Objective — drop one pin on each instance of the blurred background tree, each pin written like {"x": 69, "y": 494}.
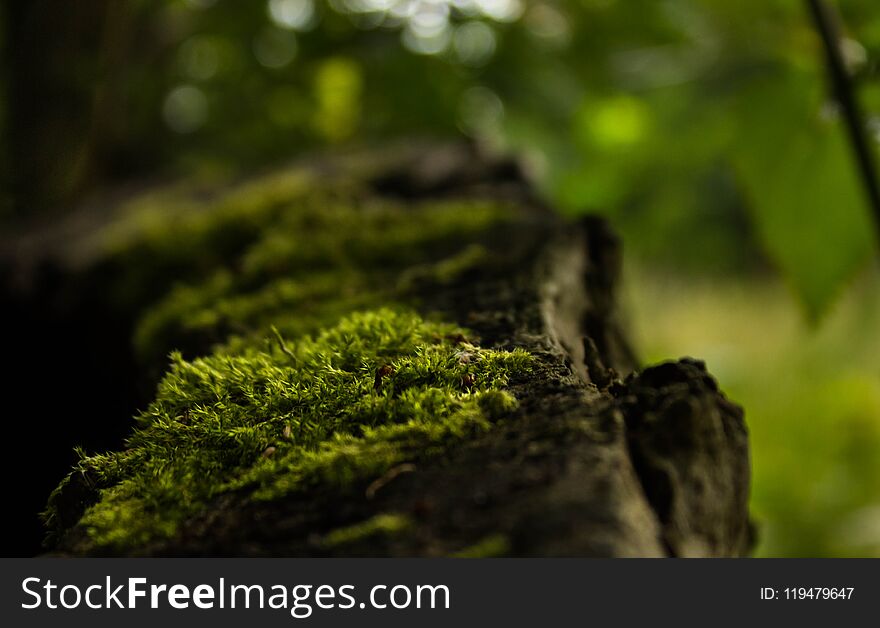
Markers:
{"x": 704, "y": 129}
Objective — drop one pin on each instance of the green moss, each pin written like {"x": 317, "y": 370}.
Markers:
{"x": 492, "y": 546}
{"x": 379, "y": 388}
{"x": 319, "y": 257}
{"x": 316, "y": 372}
{"x": 497, "y": 403}
{"x": 445, "y": 271}
{"x": 381, "y": 524}
{"x": 174, "y": 223}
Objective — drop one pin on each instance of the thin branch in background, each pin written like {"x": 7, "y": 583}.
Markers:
{"x": 828, "y": 26}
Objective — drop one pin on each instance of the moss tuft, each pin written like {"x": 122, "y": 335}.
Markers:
{"x": 497, "y": 403}
{"x": 492, "y": 546}
{"x": 381, "y": 524}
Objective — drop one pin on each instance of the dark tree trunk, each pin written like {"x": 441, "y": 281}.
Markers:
{"x": 64, "y": 98}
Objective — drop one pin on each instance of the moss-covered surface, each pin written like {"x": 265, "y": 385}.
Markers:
{"x": 304, "y": 365}
{"x": 378, "y": 388}
{"x": 390, "y": 367}
{"x": 301, "y": 263}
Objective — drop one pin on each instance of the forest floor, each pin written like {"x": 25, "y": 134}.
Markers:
{"x": 811, "y": 395}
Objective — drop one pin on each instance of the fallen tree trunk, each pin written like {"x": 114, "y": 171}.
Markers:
{"x": 598, "y": 458}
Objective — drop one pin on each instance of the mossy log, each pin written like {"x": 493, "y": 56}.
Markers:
{"x": 402, "y": 354}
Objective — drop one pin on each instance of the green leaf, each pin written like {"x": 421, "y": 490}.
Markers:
{"x": 805, "y": 197}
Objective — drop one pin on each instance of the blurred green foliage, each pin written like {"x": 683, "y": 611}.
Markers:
{"x": 700, "y": 122}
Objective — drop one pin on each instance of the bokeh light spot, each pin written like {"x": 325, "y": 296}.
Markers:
{"x": 480, "y": 112}
{"x": 292, "y": 14}
{"x": 549, "y": 25}
{"x": 275, "y": 48}
{"x": 617, "y": 122}
{"x": 199, "y": 58}
{"x": 185, "y": 109}
{"x": 474, "y": 43}
{"x": 424, "y": 42}
{"x": 338, "y": 88}
{"x": 501, "y": 10}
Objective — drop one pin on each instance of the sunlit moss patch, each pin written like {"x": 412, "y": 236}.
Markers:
{"x": 281, "y": 415}
{"x": 298, "y": 361}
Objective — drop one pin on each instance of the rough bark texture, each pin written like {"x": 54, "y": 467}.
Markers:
{"x": 600, "y": 459}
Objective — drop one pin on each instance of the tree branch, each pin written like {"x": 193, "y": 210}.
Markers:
{"x": 828, "y": 26}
